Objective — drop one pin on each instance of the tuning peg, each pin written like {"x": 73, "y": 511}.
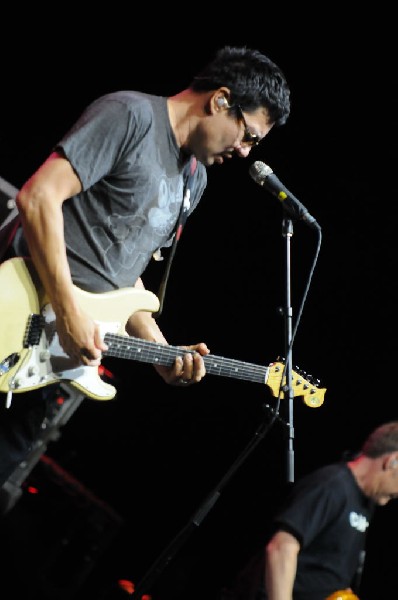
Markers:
{"x": 314, "y": 380}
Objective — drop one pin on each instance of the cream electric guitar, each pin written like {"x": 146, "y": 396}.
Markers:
{"x": 32, "y": 357}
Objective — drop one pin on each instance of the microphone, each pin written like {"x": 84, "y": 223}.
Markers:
{"x": 264, "y": 176}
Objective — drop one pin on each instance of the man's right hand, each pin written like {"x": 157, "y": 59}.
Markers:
{"x": 80, "y": 338}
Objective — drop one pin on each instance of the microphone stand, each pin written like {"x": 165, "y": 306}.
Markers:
{"x": 201, "y": 513}
{"x": 197, "y": 518}
{"x": 287, "y": 233}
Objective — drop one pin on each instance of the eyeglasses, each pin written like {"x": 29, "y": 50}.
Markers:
{"x": 249, "y": 138}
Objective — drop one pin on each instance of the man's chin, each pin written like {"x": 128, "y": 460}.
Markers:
{"x": 217, "y": 159}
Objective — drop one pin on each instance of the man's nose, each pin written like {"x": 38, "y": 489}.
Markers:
{"x": 243, "y": 151}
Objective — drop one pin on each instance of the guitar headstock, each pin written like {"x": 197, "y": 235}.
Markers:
{"x": 312, "y": 395}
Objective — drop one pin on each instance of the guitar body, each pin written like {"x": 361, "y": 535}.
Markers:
{"x": 32, "y": 357}
{"x": 19, "y": 299}
{"x": 43, "y": 361}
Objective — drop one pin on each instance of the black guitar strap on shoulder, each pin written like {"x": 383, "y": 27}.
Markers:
{"x": 184, "y": 211}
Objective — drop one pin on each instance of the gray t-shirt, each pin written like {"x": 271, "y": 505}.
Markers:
{"x": 125, "y": 154}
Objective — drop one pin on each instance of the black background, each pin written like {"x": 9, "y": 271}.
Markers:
{"x": 155, "y": 453}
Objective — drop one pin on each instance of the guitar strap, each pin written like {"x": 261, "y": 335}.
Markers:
{"x": 184, "y": 211}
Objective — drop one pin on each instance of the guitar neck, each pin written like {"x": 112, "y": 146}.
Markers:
{"x": 132, "y": 348}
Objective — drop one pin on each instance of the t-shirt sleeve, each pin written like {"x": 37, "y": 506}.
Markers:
{"x": 310, "y": 506}
{"x": 100, "y": 139}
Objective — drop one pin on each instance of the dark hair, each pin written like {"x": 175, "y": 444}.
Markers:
{"x": 382, "y": 440}
{"x": 252, "y": 77}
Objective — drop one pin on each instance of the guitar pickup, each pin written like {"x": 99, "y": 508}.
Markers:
{"x": 34, "y": 330}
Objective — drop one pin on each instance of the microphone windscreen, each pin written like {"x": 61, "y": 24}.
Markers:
{"x": 259, "y": 171}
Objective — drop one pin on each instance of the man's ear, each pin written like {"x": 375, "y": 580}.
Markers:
{"x": 218, "y": 101}
{"x": 222, "y": 102}
{"x": 391, "y": 462}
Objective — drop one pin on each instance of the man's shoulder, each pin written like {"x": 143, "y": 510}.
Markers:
{"x": 326, "y": 474}
{"x": 129, "y": 98}
{"x": 124, "y": 108}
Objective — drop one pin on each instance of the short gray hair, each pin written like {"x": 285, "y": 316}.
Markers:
{"x": 382, "y": 440}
